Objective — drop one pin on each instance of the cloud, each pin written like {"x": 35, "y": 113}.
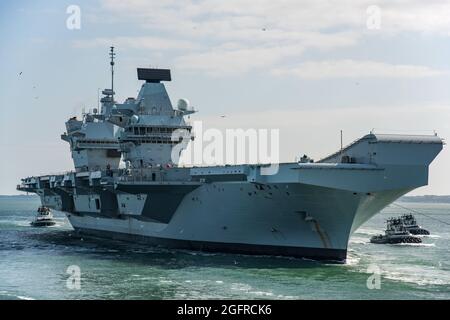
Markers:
{"x": 229, "y": 59}
{"x": 355, "y": 69}
{"x": 416, "y": 16}
{"x": 235, "y": 36}
{"x": 263, "y": 49}
{"x": 288, "y": 15}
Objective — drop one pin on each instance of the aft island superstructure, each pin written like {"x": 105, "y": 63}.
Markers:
{"x": 306, "y": 209}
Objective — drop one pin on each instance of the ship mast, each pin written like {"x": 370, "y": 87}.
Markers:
{"x": 112, "y": 55}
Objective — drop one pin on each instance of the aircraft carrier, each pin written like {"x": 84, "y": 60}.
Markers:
{"x": 125, "y": 184}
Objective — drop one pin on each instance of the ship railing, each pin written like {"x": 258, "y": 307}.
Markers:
{"x": 61, "y": 173}
{"x": 137, "y": 178}
{"x": 175, "y": 113}
{"x": 152, "y": 135}
{"x": 97, "y": 143}
{"x": 143, "y": 174}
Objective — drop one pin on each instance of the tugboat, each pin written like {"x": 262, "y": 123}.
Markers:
{"x": 44, "y": 218}
{"x": 395, "y": 232}
{"x": 411, "y": 225}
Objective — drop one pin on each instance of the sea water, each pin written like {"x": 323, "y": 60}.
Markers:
{"x": 38, "y": 263}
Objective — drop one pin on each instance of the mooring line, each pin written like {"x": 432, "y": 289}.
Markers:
{"x": 421, "y": 213}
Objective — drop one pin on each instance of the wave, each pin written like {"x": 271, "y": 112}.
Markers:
{"x": 357, "y": 240}
{"x": 419, "y": 277}
{"x": 261, "y": 293}
{"x": 26, "y": 223}
{"x": 415, "y": 244}
{"x": 366, "y": 231}
{"x": 25, "y": 298}
{"x": 352, "y": 260}
{"x": 249, "y": 290}
{"x": 9, "y": 295}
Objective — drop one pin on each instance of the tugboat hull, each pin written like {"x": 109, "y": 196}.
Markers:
{"x": 43, "y": 223}
{"x": 418, "y": 231}
{"x": 395, "y": 240}
{"x": 44, "y": 218}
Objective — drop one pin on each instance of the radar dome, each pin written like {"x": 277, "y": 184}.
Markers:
{"x": 183, "y": 104}
{"x": 134, "y": 119}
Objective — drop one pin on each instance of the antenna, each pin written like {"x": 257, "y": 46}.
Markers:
{"x": 112, "y": 55}
{"x": 341, "y": 142}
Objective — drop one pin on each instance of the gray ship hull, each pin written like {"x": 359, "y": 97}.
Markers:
{"x": 303, "y": 210}
{"x": 334, "y": 255}
{"x": 286, "y": 220}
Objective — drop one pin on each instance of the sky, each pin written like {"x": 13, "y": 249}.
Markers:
{"x": 308, "y": 68}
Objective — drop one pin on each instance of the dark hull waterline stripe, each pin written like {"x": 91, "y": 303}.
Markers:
{"x": 332, "y": 255}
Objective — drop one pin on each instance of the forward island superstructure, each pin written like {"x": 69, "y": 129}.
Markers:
{"x": 306, "y": 209}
